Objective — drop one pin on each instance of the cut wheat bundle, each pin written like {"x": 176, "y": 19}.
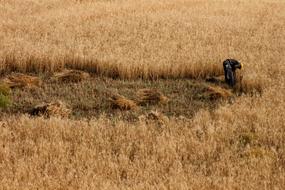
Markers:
{"x": 122, "y": 103}
{"x": 151, "y": 96}
{"x": 71, "y": 76}
{"x": 19, "y": 80}
{"x": 216, "y": 92}
{"x": 55, "y": 108}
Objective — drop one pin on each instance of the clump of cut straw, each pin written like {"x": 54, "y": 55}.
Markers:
{"x": 19, "y": 80}
{"x": 151, "y": 96}
{"x": 71, "y": 76}
{"x": 56, "y": 109}
{"x": 122, "y": 103}
{"x": 217, "y": 92}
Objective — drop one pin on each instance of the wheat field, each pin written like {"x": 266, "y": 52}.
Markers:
{"x": 237, "y": 145}
{"x": 143, "y": 38}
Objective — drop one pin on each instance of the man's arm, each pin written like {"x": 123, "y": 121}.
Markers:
{"x": 235, "y": 64}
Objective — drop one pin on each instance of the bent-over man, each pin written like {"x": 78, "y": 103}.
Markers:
{"x": 230, "y": 66}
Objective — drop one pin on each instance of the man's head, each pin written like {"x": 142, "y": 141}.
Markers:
{"x": 241, "y": 65}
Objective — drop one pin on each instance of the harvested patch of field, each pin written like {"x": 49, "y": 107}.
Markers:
{"x": 91, "y": 97}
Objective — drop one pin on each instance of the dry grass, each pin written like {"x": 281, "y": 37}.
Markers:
{"x": 122, "y": 103}
{"x": 238, "y": 145}
{"x": 19, "y": 80}
{"x": 151, "y": 96}
{"x": 71, "y": 76}
{"x": 226, "y": 148}
{"x": 55, "y": 109}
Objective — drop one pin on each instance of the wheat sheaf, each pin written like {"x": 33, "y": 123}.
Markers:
{"x": 71, "y": 76}
{"x": 19, "y": 80}
{"x": 216, "y": 92}
{"x": 55, "y": 108}
{"x": 122, "y": 103}
{"x": 151, "y": 96}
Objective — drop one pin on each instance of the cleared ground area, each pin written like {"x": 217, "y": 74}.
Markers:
{"x": 92, "y": 98}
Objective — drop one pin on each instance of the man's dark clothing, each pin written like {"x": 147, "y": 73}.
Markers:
{"x": 230, "y": 65}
